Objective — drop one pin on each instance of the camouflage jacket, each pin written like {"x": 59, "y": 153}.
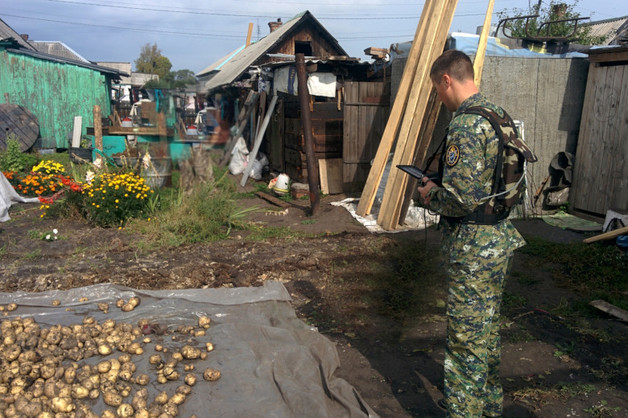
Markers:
{"x": 468, "y": 170}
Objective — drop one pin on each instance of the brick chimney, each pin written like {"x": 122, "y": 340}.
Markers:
{"x": 24, "y": 36}
{"x": 274, "y": 25}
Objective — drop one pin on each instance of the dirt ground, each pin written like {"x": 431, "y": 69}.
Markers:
{"x": 339, "y": 277}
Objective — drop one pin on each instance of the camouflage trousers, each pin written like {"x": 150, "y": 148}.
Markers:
{"x": 476, "y": 273}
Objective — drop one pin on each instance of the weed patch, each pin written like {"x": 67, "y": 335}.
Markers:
{"x": 596, "y": 270}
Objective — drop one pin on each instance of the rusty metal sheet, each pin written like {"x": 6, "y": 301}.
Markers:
{"x": 20, "y": 121}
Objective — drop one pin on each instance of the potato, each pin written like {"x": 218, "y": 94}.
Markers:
{"x": 70, "y": 375}
{"x": 62, "y": 404}
{"x": 177, "y": 398}
{"x": 170, "y": 373}
{"x": 190, "y": 379}
{"x": 209, "y": 347}
{"x": 156, "y": 360}
{"x": 107, "y": 413}
{"x": 120, "y": 303}
{"x": 171, "y": 409}
{"x": 176, "y": 356}
{"x": 211, "y": 374}
{"x": 83, "y": 299}
{"x": 125, "y": 375}
{"x": 142, "y": 379}
{"x": 135, "y": 348}
{"x": 127, "y": 307}
{"x": 79, "y": 391}
{"x": 134, "y": 301}
{"x": 112, "y": 398}
{"x": 190, "y": 352}
{"x": 104, "y": 350}
{"x": 56, "y": 302}
{"x": 199, "y": 332}
{"x": 125, "y": 410}
{"x": 162, "y": 398}
{"x": 104, "y": 366}
{"x": 188, "y": 367}
{"x": 11, "y": 307}
{"x": 159, "y": 347}
{"x": 140, "y": 399}
{"x": 142, "y": 413}
{"x": 104, "y": 307}
{"x": 204, "y": 321}
{"x": 184, "y": 389}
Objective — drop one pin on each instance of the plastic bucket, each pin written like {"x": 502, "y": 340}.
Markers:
{"x": 282, "y": 185}
{"x": 159, "y": 173}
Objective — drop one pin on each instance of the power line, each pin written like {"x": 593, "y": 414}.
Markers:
{"x": 231, "y": 14}
{"x": 135, "y": 29}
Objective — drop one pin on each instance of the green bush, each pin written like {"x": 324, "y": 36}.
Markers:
{"x": 13, "y": 159}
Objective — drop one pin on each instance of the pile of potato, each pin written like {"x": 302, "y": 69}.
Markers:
{"x": 44, "y": 371}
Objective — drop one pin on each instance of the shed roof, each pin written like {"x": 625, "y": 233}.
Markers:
{"x": 613, "y": 29}
{"x": 12, "y": 46}
{"x": 7, "y": 32}
{"x": 57, "y": 48}
{"x": 229, "y": 68}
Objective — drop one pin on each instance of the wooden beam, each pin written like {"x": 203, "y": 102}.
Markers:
{"x": 306, "y": 120}
{"x": 478, "y": 61}
{"x": 248, "y": 35}
{"x": 396, "y": 113}
{"x": 97, "y": 128}
{"x": 607, "y": 235}
{"x": 610, "y": 309}
{"x": 390, "y": 211}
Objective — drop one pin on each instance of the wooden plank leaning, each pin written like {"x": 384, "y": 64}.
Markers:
{"x": 243, "y": 119}
{"x": 392, "y": 126}
{"x": 478, "y": 61}
{"x": 392, "y": 202}
{"x": 258, "y": 141}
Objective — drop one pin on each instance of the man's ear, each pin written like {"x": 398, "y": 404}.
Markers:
{"x": 447, "y": 80}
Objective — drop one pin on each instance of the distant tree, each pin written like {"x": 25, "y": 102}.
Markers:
{"x": 555, "y": 10}
{"x": 151, "y": 61}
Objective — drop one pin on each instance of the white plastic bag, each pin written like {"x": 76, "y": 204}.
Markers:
{"x": 239, "y": 157}
{"x": 258, "y": 167}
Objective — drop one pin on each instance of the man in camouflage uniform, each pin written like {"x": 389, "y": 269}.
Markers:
{"x": 478, "y": 255}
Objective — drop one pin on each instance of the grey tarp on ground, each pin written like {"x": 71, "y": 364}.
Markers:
{"x": 272, "y": 363}
{"x": 8, "y": 196}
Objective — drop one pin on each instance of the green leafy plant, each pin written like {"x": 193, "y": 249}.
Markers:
{"x": 12, "y": 159}
{"x": 556, "y": 10}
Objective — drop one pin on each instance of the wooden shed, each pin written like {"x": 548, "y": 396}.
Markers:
{"x": 54, "y": 89}
{"x": 600, "y": 170}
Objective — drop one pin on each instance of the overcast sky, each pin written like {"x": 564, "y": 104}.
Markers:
{"x": 194, "y": 34}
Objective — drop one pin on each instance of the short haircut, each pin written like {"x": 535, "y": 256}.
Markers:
{"x": 453, "y": 62}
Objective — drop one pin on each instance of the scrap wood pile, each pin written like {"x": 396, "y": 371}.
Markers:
{"x": 78, "y": 369}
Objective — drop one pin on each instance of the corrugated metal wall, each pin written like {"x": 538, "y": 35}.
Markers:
{"x": 54, "y": 92}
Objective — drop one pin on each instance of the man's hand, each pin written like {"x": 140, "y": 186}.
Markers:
{"x": 424, "y": 187}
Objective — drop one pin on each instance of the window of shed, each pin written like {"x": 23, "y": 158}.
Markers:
{"x": 304, "y": 48}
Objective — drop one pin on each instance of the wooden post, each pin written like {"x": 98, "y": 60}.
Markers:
{"x": 248, "y": 35}
{"x": 478, "y": 61}
{"x": 97, "y": 128}
{"x": 306, "y": 119}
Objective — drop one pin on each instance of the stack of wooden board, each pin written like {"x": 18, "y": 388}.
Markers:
{"x": 407, "y": 114}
